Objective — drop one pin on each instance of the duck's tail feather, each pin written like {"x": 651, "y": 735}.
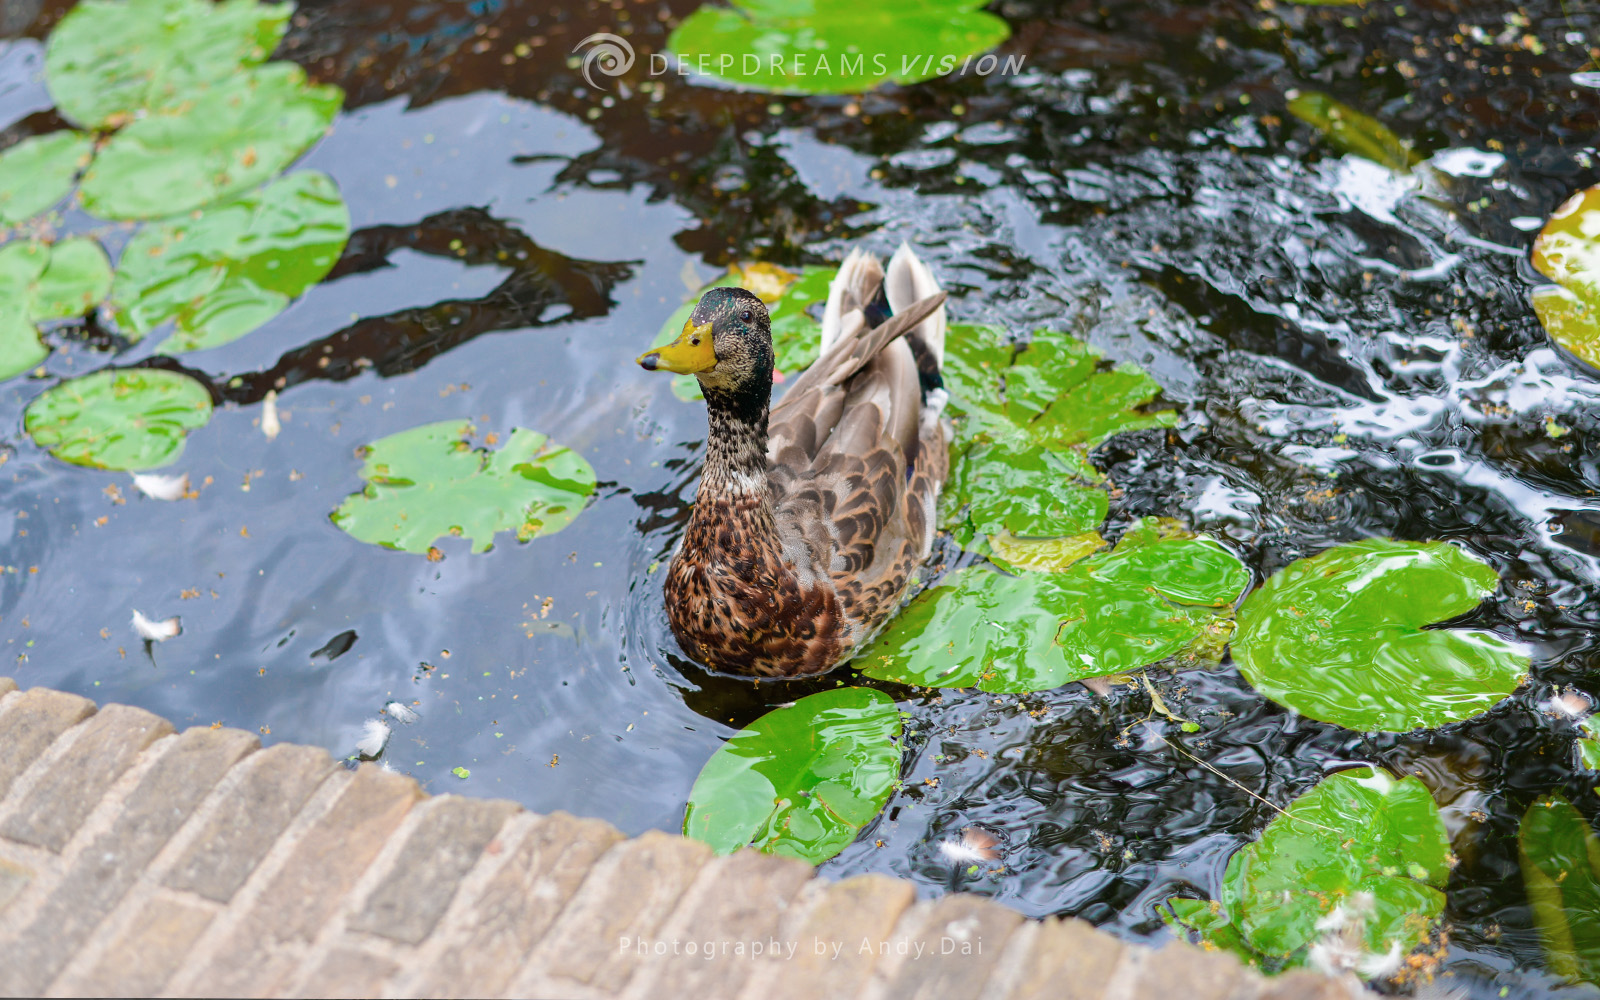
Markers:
{"x": 851, "y": 296}
{"x": 909, "y": 280}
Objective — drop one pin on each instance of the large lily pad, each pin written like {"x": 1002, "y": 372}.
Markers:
{"x": 110, "y": 59}
{"x": 1156, "y": 593}
{"x": 802, "y": 780}
{"x": 232, "y": 136}
{"x": 1561, "y": 871}
{"x": 1341, "y": 637}
{"x": 834, "y": 46}
{"x": 225, "y": 269}
{"x": 1567, "y": 251}
{"x": 788, "y": 295}
{"x": 38, "y": 172}
{"x": 1361, "y": 841}
{"x": 129, "y": 419}
{"x": 41, "y": 282}
{"x": 430, "y": 481}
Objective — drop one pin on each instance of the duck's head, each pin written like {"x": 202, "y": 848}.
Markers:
{"x": 726, "y": 344}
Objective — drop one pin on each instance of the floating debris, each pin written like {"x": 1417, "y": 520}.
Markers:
{"x": 1569, "y": 703}
{"x": 154, "y": 631}
{"x": 162, "y": 487}
{"x": 374, "y": 737}
{"x": 401, "y": 712}
{"x": 270, "y": 426}
{"x": 975, "y": 844}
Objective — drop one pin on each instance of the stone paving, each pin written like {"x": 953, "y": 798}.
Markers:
{"x": 136, "y": 860}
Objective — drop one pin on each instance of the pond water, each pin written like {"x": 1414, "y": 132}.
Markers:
{"x": 1351, "y": 353}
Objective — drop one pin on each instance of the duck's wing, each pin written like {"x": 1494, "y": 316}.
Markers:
{"x": 857, "y": 452}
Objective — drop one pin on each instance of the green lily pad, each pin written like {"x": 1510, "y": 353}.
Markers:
{"x": 41, "y": 282}
{"x": 38, "y": 172}
{"x": 1560, "y": 857}
{"x": 1589, "y": 744}
{"x": 802, "y": 780}
{"x": 796, "y": 337}
{"x": 834, "y": 46}
{"x": 1351, "y": 131}
{"x": 429, "y": 481}
{"x": 1361, "y": 841}
{"x": 1026, "y": 419}
{"x": 1340, "y": 637}
{"x": 20, "y": 347}
{"x": 232, "y": 136}
{"x": 225, "y": 269}
{"x": 1152, "y": 596}
{"x": 77, "y": 277}
{"x": 110, "y": 59}
{"x": 128, "y": 419}
{"x": 1567, "y": 251}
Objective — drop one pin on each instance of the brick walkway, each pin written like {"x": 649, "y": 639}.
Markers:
{"x": 136, "y": 861}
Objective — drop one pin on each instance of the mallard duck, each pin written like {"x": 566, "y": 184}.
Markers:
{"x": 812, "y": 516}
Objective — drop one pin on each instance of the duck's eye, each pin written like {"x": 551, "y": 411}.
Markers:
{"x": 745, "y": 315}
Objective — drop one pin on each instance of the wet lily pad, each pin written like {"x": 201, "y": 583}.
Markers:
{"x": 38, "y": 172}
{"x": 232, "y": 136}
{"x": 222, "y": 271}
{"x": 1152, "y": 596}
{"x": 128, "y": 419}
{"x": 788, "y": 295}
{"x": 429, "y": 482}
{"x": 802, "y": 780}
{"x": 1351, "y": 131}
{"x": 110, "y": 59}
{"x": 40, "y": 281}
{"x": 834, "y": 46}
{"x": 1341, "y": 637}
{"x": 1363, "y": 843}
{"x": 1567, "y": 251}
{"x": 1560, "y": 857}
{"x": 1025, "y": 422}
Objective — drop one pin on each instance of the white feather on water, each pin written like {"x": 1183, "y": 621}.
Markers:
{"x": 374, "y": 737}
{"x": 400, "y": 712}
{"x": 155, "y": 631}
{"x": 162, "y": 487}
{"x": 270, "y": 426}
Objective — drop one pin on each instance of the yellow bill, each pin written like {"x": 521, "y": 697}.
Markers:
{"x": 691, "y": 352}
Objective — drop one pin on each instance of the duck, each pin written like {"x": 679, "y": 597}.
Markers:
{"x": 813, "y": 516}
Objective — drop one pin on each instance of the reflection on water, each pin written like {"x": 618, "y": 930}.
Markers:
{"x": 1351, "y": 350}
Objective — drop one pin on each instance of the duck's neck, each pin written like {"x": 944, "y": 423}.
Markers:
{"x": 736, "y": 447}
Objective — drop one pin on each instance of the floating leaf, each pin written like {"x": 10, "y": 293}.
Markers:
{"x": 129, "y": 419}
{"x": 1589, "y": 745}
{"x": 1047, "y": 554}
{"x": 36, "y": 173}
{"x": 110, "y": 59}
{"x": 834, "y": 46}
{"x": 224, "y": 270}
{"x": 1561, "y": 869}
{"x": 1340, "y": 637}
{"x": 234, "y": 135}
{"x": 42, "y": 282}
{"x": 1026, "y": 420}
{"x": 1352, "y": 131}
{"x": 795, "y": 335}
{"x": 1567, "y": 251}
{"x": 1147, "y": 599}
{"x": 1361, "y": 841}
{"x": 802, "y": 780}
{"x": 429, "y": 481}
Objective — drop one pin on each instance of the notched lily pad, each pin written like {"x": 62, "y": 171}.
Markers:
{"x": 788, "y": 295}
{"x": 1567, "y": 251}
{"x": 1155, "y": 594}
{"x": 1362, "y": 854}
{"x": 429, "y": 481}
{"x": 834, "y": 46}
{"x": 1342, "y": 637}
{"x": 1560, "y": 857}
{"x": 40, "y": 282}
{"x": 232, "y": 136}
{"x": 225, "y": 269}
{"x": 38, "y": 172}
{"x": 802, "y": 780}
{"x": 110, "y": 59}
{"x": 128, "y": 419}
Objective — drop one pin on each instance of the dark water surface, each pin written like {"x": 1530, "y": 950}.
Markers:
{"x": 1351, "y": 354}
